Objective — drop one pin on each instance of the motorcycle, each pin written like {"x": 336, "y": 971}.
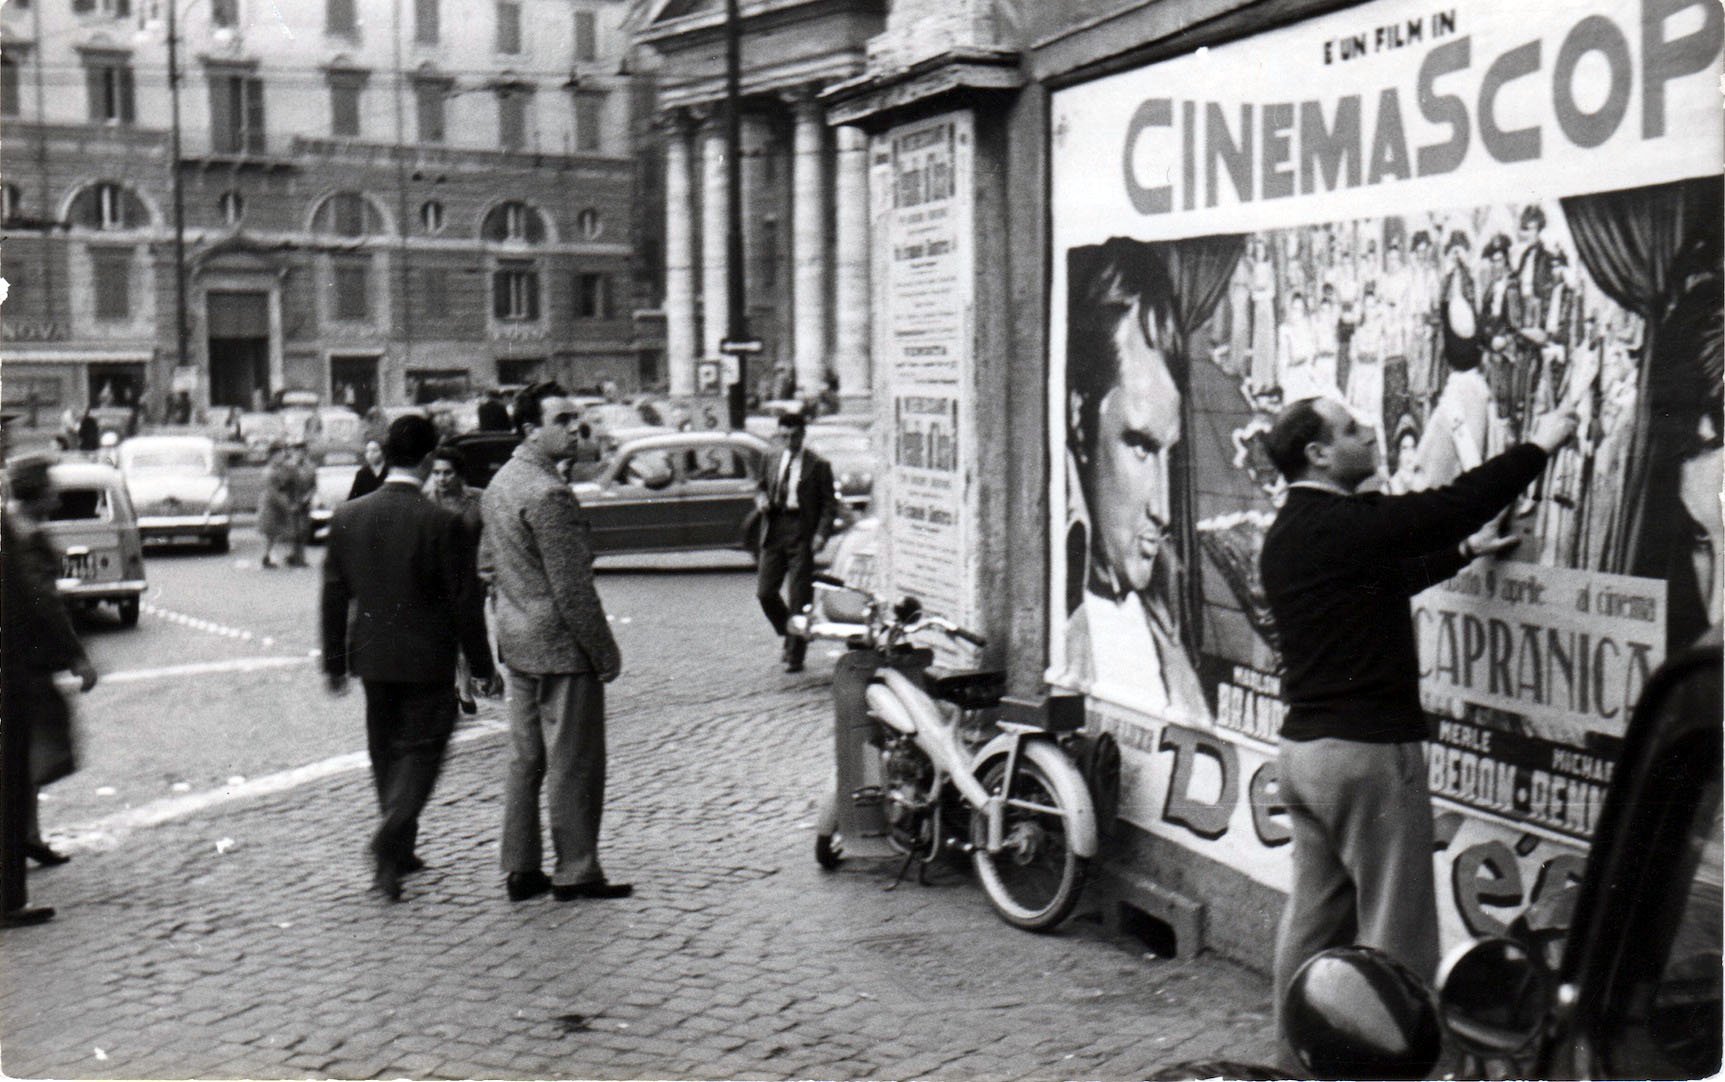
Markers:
{"x": 931, "y": 763}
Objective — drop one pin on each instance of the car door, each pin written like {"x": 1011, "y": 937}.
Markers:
{"x": 720, "y": 489}
{"x": 638, "y": 506}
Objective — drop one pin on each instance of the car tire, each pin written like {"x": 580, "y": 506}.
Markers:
{"x": 129, "y": 612}
{"x": 219, "y": 543}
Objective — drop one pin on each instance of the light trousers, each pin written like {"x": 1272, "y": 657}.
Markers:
{"x": 557, "y": 740}
{"x": 1362, "y": 860}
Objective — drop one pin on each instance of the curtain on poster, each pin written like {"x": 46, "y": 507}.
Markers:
{"x": 1451, "y": 222}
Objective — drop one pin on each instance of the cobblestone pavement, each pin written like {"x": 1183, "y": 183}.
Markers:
{"x": 239, "y": 942}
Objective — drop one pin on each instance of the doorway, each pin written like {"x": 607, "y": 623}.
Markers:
{"x": 239, "y": 349}
{"x": 353, "y": 382}
{"x": 116, "y": 385}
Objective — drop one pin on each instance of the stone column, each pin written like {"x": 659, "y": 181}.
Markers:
{"x": 680, "y": 331}
{"x": 715, "y": 285}
{"x": 809, "y": 246}
{"x": 851, "y": 261}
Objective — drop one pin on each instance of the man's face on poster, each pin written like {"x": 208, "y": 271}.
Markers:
{"x": 1137, "y": 426}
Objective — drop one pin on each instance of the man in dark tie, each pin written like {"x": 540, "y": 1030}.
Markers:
{"x": 407, "y": 563}
{"x": 798, "y": 507}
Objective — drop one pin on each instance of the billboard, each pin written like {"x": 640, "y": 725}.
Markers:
{"x": 924, "y": 217}
{"x": 1450, "y": 220}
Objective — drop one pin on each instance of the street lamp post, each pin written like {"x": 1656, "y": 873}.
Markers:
{"x": 180, "y": 328}
{"x": 737, "y": 319}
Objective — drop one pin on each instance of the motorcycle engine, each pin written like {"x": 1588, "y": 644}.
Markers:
{"x": 909, "y": 777}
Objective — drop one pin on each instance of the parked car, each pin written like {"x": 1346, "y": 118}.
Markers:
{"x": 611, "y": 420}
{"x": 94, "y": 530}
{"x": 334, "y": 482}
{"x": 261, "y": 431}
{"x": 1636, "y": 992}
{"x": 179, "y": 488}
{"x": 674, "y": 491}
{"x": 339, "y": 431}
{"x": 851, "y": 453}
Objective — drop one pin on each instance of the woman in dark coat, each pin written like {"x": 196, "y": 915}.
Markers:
{"x": 370, "y": 476}
{"x": 284, "y": 515}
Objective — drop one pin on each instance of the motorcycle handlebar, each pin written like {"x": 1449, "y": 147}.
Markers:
{"x": 935, "y": 622}
{"x": 829, "y": 580}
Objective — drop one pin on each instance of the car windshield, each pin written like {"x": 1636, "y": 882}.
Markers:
{"x": 839, "y": 443}
{"x": 167, "y": 460}
{"x": 82, "y": 505}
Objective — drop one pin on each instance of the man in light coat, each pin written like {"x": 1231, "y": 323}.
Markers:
{"x": 553, "y": 636}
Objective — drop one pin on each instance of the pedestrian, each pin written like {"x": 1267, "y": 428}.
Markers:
{"x": 407, "y": 563}
{"x": 89, "y": 433}
{"x": 369, "y": 477}
{"x": 39, "y": 642}
{"x": 553, "y": 637}
{"x": 493, "y": 414}
{"x": 447, "y": 488}
{"x": 285, "y": 514}
{"x": 1338, "y": 568}
{"x": 797, "y": 505}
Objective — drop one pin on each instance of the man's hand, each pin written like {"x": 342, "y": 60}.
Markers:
{"x": 335, "y": 685}
{"x": 1488, "y": 542}
{"x": 85, "y": 672}
{"x": 1553, "y": 430}
{"x": 491, "y": 687}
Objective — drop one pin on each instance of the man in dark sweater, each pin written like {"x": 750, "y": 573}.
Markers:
{"x": 1338, "y": 568}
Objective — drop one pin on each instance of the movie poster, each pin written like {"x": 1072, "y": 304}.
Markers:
{"x": 924, "y": 220}
{"x": 1466, "y": 217}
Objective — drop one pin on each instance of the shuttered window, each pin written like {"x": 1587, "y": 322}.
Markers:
{"x": 108, "y": 82}
{"x": 586, "y": 36}
{"x": 508, "y": 26}
{"x": 425, "y": 21}
{"x": 112, "y": 271}
{"x": 515, "y": 292}
{"x": 237, "y": 113}
{"x": 353, "y": 287}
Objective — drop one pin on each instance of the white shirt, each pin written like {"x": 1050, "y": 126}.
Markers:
{"x": 790, "y": 475}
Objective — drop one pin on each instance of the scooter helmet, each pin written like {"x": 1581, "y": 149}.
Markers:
{"x": 1355, "y": 1012}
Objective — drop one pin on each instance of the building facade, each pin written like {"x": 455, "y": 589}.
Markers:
{"x": 804, "y": 192}
{"x": 383, "y": 201}
{"x": 1423, "y": 213}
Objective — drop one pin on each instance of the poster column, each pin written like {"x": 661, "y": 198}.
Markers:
{"x": 924, "y": 210}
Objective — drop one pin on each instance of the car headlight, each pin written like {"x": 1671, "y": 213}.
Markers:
{"x": 219, "y": 501}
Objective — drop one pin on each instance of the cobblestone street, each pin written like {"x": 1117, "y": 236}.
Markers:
{"x": 238, "y": 941}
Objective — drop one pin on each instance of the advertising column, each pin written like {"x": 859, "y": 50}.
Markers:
{"x": 925, "y": 334}
{"x": 1450, "y": 220}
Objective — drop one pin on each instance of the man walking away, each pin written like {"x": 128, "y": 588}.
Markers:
{"x": 1338, "y": 568}
{"x": 553, "y": 636}
{"x": 405, "y": 561}
{"x": 798, "y": 506}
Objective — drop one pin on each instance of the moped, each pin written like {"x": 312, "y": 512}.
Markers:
{"x": 929, "y": 763}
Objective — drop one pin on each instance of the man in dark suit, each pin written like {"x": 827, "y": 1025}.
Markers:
{"x": 798, "y": 506}
{"x": 406, "y": 562}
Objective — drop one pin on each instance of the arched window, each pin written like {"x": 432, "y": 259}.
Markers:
{"x": 108, "y": 206}
{"x": 347, "y": 214}
{"x": 589, "y": 224}
{"x": 514, "y": 221}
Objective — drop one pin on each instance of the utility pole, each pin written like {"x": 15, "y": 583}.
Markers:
{"x": 737, "y": 321}
{"x": 181, "y": 332}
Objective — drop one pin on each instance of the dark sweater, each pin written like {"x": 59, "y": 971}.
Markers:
{"x": 1339, "y": 570}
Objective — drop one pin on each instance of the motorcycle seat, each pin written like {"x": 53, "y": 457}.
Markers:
{"x": 968, "y": 689}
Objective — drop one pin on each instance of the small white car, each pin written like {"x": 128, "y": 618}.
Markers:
{"x": 179, "y": 486}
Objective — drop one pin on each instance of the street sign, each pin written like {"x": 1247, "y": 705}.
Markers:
{"x": 741, "y": 345}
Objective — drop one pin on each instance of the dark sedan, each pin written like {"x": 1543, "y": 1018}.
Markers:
{"x": 680, "y": 491}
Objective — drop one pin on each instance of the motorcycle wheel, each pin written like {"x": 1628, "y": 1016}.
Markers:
{"x": 1035, "y": 880}
{"x": 829, "y": 843}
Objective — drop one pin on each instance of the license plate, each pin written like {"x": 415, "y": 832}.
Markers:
{"x": 76, "y": 567}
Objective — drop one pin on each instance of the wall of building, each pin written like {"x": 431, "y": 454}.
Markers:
{"x": 589, "y": 198}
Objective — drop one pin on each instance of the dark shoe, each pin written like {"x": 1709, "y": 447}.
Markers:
{"x": 26, "y": 915}
{"x": 409, "y": 865}
{"x": 387, "y": 883}
{"x": 599, "y": 888}
{"x": 468, "y": 706}
{"x": 794, "y": 665}
{"x": 296, "y": 561}
{"x": 41, "y": 854}
{"x": 524, "y": 885}
{"x": 266, "y": 562}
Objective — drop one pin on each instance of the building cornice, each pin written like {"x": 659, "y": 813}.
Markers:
{"x": 876, "y": 99}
